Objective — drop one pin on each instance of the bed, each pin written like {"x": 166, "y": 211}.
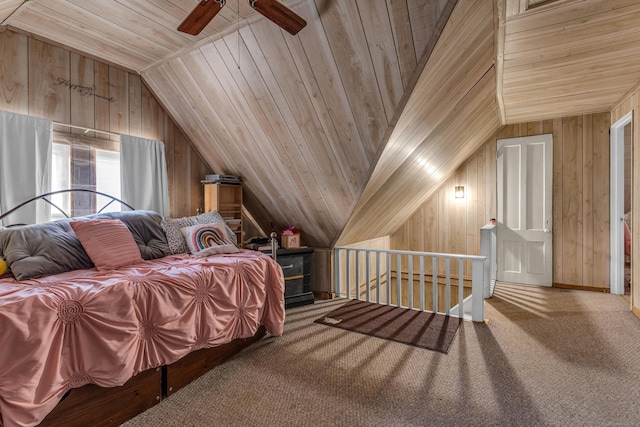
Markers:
{"x": 93, "y": 341}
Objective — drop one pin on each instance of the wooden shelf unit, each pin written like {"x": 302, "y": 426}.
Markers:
{"x": 227, "y": 200}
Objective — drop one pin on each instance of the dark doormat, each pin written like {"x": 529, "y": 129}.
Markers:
{"x": 418, "y": 328}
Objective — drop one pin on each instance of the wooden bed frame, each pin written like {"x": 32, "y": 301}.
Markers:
{"x": 97, "y": 406}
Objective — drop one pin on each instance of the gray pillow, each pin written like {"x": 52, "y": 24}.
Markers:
{"x": 41, "y": 249}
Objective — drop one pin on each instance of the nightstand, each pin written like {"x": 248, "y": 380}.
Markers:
{"x": 296, "y": 266}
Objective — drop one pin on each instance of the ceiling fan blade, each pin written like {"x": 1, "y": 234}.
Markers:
{"x": 201, "y": 16}
{"x": 279, "y": 14}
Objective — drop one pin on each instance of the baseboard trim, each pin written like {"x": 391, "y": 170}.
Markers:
{"x": 581, "y": 288}
{"x": 635, "y": 310}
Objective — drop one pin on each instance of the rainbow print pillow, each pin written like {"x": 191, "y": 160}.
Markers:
{"x": 208, "y": 239}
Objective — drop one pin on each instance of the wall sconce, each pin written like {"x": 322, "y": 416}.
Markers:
{"x": 459, "y": 191}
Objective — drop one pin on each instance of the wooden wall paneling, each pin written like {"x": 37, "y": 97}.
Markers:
{"x": 181, "y": 176}
{"x": 193, "y": 185}
{"x": 169, "y": 149}
{"x": 401, "y": 239}
{"x": 403, "y": 38}
{"x": 240, "y": 92}
{"x": 119, "y": 108}
{"x": 587, "y": 201}
{"x": 331, "y": 159}
{"x": 273, "y": 154}
{"x": 47, "y": 99}
{"x": 45, "y": 19}
{"x": 261, "y": 92}
{"x": 82, "y": 102}
{"x": 416, "y": 231}
{"x": 424, "y": 16}
{"x": 14, "y": 72}
{"x": 101, "y": 101}
{"x": 331, "y": 101}
{"x": 482, "y": 216}
{"x": 328, "y": 204}
{"x": 444, "y": 213}
{"x": 153, "y": 116}
{"x": 431, "y": 225}
{"x": 349, "y": 47}
{"x": 491, "y": 179}
{"x": 7, "y": 7}
{"x": 164, "y": 76}
{"x": 558, "y": 185}
{"x": 232, "y": 126}
{"x": 135, "y": 105}
{"x": 601, "y": 198}
{"x": 472, "y": 226}
{"x": 156, "y": 44}
{"x": 548, "y": 49}
{"x": 378, "y": 33}
{"x": 572, "y": 200}
{"x": 285, "y": 157}
{"x": 458, "y": 225}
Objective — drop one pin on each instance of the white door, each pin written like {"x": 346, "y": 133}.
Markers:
{"x": 524, "y": 238}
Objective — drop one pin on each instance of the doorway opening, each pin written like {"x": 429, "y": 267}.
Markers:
{"x": 620, "y": 238}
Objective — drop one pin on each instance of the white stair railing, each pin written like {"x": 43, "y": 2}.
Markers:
{"x": 378, "y": 275}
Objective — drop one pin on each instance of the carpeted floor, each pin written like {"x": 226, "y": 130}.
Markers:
{"x": 546, "y": 357}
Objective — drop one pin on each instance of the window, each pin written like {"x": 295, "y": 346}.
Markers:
{"x": 79, "y": 161}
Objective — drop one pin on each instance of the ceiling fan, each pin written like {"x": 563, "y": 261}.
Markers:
{"x": 273, "y": 10}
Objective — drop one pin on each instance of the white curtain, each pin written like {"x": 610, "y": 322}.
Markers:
{"x": 25, "y": 166}
{"x": 143, "y": 174}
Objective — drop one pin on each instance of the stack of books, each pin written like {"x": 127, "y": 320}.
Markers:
{"x": 221, "y": 179}
{"x": 259, "y": 244}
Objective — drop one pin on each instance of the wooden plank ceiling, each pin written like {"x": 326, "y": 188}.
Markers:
{"x": 568, "y": 57}
{"x": 344, "y": 129}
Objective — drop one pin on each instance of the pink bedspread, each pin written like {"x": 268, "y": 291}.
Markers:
{"x": 68, "y": 330}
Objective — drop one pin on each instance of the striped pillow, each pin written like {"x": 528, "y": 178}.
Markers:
{"x": 108, "y": 242}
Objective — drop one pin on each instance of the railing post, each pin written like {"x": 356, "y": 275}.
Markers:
{"x": 477, "y": 291}
{"x": 377, "y": 277}
{"x": 348, "y": 273}
{"x": 367, "y": 263}
{"x": 336, "y": 270}
{"x": 421, "y": 282}
{"x": 434, "y": 284}
{"x": 447, "y": 287}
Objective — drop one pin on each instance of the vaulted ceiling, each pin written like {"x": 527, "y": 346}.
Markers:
{"x": 346, "y": 128}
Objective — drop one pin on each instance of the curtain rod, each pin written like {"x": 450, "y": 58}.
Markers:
{"x": 86, "y": 129}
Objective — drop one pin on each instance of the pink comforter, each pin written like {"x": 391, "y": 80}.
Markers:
{"x": 71, "y": 329}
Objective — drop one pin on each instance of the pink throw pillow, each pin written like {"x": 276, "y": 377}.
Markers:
{"x": 108, "y": 242}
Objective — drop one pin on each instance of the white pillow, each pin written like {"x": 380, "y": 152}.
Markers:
{"x": 172, "y": 229}
{"x": 208, "y": 239}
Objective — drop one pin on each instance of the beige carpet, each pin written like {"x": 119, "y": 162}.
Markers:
{"x": 545, "y": 357}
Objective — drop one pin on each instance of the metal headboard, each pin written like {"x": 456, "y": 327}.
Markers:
{"x": 71, "y": 190}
